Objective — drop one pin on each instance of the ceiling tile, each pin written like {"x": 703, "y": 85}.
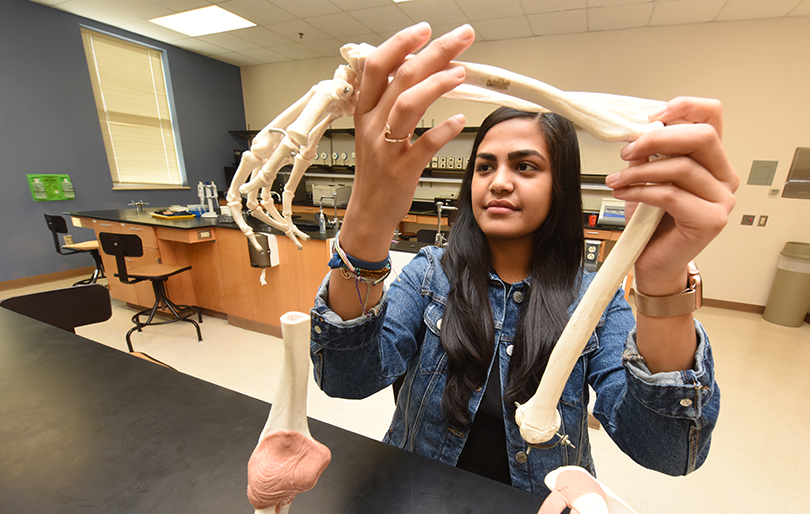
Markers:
{"x": 370, "y": 38}
{"x": 304, "y": 8}
{"x": 435, "y": 12}
{"x": 97, "y": 11}
{"x": 262, "y": 36}
{"x": 182, "y": 5}
{"x": 149, "y": 29}
{"x": 228, "y": 41}
{"x": 545, "y": 6}
{"x": 265, "y": 55}
{"x": 353, "y": 5}
{"x": 260, "y": 12}
{"x": 488, "y": 9}
{"x": 754, "y": 9}
{"x": 619, "y": 17}
{"x": 677, "y": 12}
{"x": 338, "y": 25}
{"x": 144, "y": 9}
{"x": 294, "y": 29}
{"x": 200, "y": 46}
{"x": 383, "y": 18}
{"x": 563, "y": 22}
{"x": 503, "y": 28}
{"x": 803, "y": 9}
{"x": 238, "y": 59}
{"x": 297, "y": 52}
{"x": 609, "y": 3}
{"x": 325, "y": 47}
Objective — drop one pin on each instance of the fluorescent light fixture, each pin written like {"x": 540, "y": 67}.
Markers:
{"x": 203, "y": 21}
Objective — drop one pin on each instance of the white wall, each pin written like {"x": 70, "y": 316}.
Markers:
{"x": 759, "y": 69}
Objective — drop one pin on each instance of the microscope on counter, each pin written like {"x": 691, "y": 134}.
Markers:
{"x": 208, "y": 193}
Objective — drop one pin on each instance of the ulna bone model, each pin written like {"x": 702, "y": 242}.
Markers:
{"x": 287, "y": 460}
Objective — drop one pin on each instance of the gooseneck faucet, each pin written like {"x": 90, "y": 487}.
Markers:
{"x": 440, "y": 239}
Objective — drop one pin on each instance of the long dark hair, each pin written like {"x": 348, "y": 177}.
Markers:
{"x": 467, "y": 336}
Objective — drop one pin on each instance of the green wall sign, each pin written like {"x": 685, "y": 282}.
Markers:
{"x": 48, "y": 188}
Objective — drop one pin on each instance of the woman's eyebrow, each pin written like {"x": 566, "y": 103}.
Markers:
{"x": 517, "y": 154}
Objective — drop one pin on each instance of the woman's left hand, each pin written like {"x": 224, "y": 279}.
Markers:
{"x": 695, "y": 185}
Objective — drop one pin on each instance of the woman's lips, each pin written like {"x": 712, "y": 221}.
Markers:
{"x": 500, "y": 207}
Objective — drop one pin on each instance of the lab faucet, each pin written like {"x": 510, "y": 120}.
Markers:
{"x": 275, "y": 194}
{"x": 440, "y": 239}
{"x": 335, "y": 222}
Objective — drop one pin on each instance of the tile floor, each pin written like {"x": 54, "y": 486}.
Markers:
{"x": 760, "y": 456}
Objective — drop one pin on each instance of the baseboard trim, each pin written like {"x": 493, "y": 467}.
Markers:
{"x": 36, "y": 280}
{"x": 254, "y": 326}
{"x": 734, "y": 306}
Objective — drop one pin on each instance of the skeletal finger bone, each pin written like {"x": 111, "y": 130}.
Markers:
{"x": 287, "y": 460}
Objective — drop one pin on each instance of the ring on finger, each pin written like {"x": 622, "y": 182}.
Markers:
{"x": 390, "y": 139}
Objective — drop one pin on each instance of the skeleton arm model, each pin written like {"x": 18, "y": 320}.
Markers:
{"x": 573, "y": 487}
{"x": 287, "y": 459}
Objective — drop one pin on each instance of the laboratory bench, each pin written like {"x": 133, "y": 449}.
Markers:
{"x": 88, "y": 428}
{"x": 222, "y": 281}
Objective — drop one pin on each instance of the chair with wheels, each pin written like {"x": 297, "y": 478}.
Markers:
{"x": 57, "y": 225}
{"x": 129, "y": 245}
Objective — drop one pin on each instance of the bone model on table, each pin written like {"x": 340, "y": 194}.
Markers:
{"x": 293, "y": 136}
{"x": 287, "y": 460}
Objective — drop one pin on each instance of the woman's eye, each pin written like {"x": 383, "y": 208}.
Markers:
{"x": 526, "y": 166}
{"x": 482, "y": 167}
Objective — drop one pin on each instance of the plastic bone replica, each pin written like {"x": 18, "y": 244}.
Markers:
{"x": 573, "y": 487}
{"x": 609, "y": 118}
{"x": 287, "y": 459}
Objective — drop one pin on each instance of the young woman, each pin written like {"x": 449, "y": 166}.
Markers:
{"x": 470, "y": 328}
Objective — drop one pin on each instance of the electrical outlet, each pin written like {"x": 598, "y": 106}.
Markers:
{"x": 763, "y": 220}
{"x": 747, "y": 219}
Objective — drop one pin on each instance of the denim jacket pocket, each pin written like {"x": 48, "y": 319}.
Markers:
{"x": 432, "y": 357}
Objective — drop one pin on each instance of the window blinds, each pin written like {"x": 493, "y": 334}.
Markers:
{"x": 133, "y": 110}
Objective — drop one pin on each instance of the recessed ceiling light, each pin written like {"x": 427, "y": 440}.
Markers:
{"x": 206, "y": 20}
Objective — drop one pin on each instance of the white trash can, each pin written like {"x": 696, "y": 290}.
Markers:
{"x": 789, "y": 299}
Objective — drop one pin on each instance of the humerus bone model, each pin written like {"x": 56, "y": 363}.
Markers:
{"x": 287, "y": 459}
{"x": 572, "y": 486}
{"x": 293, "y": 137}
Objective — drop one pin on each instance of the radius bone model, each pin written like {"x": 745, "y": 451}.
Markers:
{"x": 293, "y": 136}
{"x": 287, "y": 459}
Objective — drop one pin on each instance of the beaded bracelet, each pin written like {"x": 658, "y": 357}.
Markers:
{"x": 370, "y": 273}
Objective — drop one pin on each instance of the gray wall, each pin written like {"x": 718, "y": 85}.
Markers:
{"x": 48, "y": 124}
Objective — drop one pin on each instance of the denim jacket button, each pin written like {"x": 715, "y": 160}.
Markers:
{"x": 518, "y": 296}
{"x": 686, "y": 402}
{"x": 439, "y": 325}
{"x": 521, "y": 457}
{"x": 317, "y": 329}
{"x": 509, "y": 350}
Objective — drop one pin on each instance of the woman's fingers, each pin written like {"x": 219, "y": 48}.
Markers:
{"x": 385, "y": 60}
{"x": 687, "y": 109}
{"x": 700, "y": 142}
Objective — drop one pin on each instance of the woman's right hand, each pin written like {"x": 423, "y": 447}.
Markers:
{"x": 387, "y": 173}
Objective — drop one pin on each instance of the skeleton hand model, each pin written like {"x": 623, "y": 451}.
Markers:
{"x": 572, "y": 486}
{"x": 293, "y": 136}
{"x": 287, "y": 460}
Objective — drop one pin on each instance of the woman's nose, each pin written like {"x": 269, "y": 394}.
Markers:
{"x": 501, "y": 181}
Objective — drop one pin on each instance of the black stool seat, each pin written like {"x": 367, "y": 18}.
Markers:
{"x": 57, "y": 225}
{"x": 129, "y": 245}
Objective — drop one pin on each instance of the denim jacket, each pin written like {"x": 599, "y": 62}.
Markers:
{"x": 662, "y": 421}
